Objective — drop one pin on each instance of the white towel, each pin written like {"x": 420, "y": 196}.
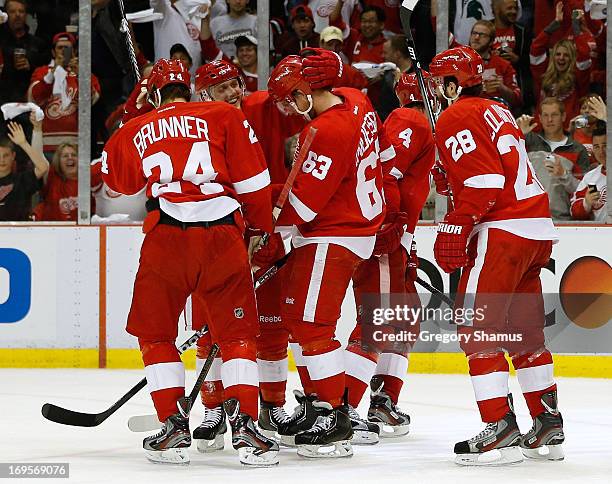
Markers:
{"x": 193, "y": 8}
{"x": 60, "y": 87}
{"x": 144, "y": 16}
{"x": 12, "y": 110}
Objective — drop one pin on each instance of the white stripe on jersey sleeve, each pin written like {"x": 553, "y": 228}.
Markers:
{"x": 490, "y": 180}
{"x": 536, "y": 60}
{"x": 257, "y": 182}
{"x": 302, "y": 209}
{"x": 396, "y": 173}
{"x": 388, "y": 154}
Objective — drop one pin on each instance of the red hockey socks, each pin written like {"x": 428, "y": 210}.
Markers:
{"x": 325, "y": 362}
{"x": 490, "y": 374}
{"x": 360, "y": 366}
{"x": 165, "y": 376}
{"x": 392, "y": 368}
{"x": 239, "y": 375}
{"x": 534, "y": 372}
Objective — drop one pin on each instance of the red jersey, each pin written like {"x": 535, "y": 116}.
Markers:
{"x": 61, "y": 115}
{"x": 410, "y": 133}
{"x": 202, "y": 160}
{"x": 481, "y": 146}
{"x": 358, "y": 49}
{"x": 505, "y": 37}
{"x": 337, "y": 195}
{"x": 272, "y": 129}
{"x": 61, "y": 198}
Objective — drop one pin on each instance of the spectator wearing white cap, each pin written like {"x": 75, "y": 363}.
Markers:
{"x": 246, "y": 55}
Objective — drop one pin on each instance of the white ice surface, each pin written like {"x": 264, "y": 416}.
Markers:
{"x": 441, "y": 407}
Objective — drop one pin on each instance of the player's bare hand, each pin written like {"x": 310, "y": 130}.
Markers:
{"x": 525, "y": 123}
{"x": 16, "y": 134}
{"x": 559, "y": 12}
{"x": 596, "y": 107}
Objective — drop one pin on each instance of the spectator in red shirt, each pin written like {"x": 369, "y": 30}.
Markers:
{"x": 366, "y": 45}
{"x": 55, "y": 88}
{"x": 302, "y": 32}
{"x": 246, "y": 55}
{"x": 566, "y": 73}
{"x": 61, "y": 191}
{"x": 499, "y": 77}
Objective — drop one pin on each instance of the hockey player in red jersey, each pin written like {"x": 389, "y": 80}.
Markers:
{"x": 333, "y": 212}
{"x": 190, "y": 157}
{"x": 221, "y": 81}
{"x": 501, "y": 235}
{"x": 392, "y": 269}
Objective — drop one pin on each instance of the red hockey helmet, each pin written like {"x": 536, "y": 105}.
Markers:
{"x": 407, "y": 88}
{"x": 462, "y": 63}
{"x": 215, "y": 72}
{"x": 168, "y": 71}
{"x": 286, "y": 78}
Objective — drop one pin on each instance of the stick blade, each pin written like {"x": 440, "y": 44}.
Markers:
{"x": 144, "y": 423}
{"x": 69, "y": 417}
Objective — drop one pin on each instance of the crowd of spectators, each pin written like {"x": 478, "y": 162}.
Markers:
{"x": 545, "y": 60}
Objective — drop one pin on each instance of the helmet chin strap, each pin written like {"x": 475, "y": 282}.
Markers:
{"x": 307, "y": 111}
{"x": 442, "y": 90}
{"x": 156, "y": 101}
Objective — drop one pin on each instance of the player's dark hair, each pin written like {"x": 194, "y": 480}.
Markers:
{"x": 174, "y": 91}
{"x": 600, "y": 129}
{"x": 380, "y": 13}
{"x": 398, "y": 43}
{"x": 472, "y": 91}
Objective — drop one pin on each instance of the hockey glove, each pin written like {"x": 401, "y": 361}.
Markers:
{"x": 413, "y": 262}
{"x": 450, "y": 248}
{"x": 322, "y": 69}
{"x": 389, "y": 235}
{"x": 137, "y": 104}
{"x": 269, "y": 253}
{"x": 439, "y": 176}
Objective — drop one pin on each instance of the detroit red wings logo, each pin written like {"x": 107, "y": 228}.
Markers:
{"x": 54, "y": 110}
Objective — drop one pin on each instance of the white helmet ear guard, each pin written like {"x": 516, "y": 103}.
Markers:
{"x": 154, "y": 98}
{"x": 307, "y": 111}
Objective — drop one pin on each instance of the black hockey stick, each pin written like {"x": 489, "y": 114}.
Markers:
{"x": 435, "y": 291}
{"x": 406, "y": 10}
{"x": 65, "y": 416}
{"x": 146, "y": 423}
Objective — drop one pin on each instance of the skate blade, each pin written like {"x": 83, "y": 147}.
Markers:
{"x": 494, "y": 457}
{"x": 249, "y": 458}
{"x": 362, "y": 437}
{"x": 287, "y": 440}
{"x": 545, "y": 452}
{"x": 176, "y": 456}
{"x": 393, "y": 431}
{"x": 205, "y": 446}
{"x": 336, "y": 450}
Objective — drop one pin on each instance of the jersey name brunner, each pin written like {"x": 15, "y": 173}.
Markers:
{"x": 170, "y": 127}
{"x": 369, "y": 134}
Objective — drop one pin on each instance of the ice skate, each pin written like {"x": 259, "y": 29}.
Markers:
{"x": 303, "y": 418}
{"x": 383, "y": 412}
{"x": 209, "y": 436}
{"x": 364, "y": 432}
{"x": 544, "y": 439}
{"x": 270, "y": 418}
{"x": 330, "y": 437}
{"x": 170, "y": 444}
{"x": 497, "y": 444}
{"x": 254, "y": 448}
